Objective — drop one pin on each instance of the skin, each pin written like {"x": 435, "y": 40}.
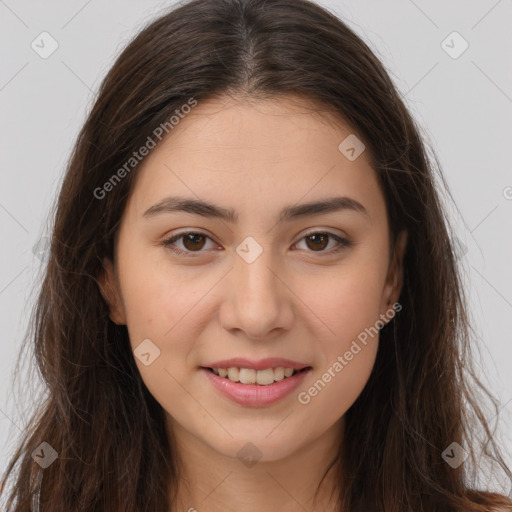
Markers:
{"x": 295, "y": 300}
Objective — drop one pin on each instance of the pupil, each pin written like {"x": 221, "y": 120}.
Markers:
{"x": 316, "y": 236}
{"x": 192, "y": 238}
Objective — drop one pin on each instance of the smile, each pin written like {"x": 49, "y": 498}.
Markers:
{"x": 255, "y": 388}
{"x": 251, "y": 376}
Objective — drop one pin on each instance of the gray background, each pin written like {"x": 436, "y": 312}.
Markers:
{"x": 463, "y": 104}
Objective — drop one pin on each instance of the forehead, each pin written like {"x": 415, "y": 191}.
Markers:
{"x": 270, "y": 129}
{"x": 264, "y": 153}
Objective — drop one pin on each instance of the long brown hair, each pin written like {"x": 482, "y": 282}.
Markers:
{"x": 113, "y": 451}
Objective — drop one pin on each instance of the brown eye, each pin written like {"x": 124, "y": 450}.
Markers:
{"x": 193, "y": 242}
{"x": 319, "y": 241}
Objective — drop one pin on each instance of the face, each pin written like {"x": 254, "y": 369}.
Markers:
{"x": 274, "y": 285}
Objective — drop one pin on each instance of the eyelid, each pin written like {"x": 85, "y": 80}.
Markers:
{"x": 343, "y": 241}
{"x": 328, "y": 231}
{"x": 168, "y": 242}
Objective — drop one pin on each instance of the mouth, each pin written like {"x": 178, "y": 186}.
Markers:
{"x": 251, "y": 387}
{"x": 264, "y": 377}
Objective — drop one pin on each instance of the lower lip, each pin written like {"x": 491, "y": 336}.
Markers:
{"x": 254, "y": 395}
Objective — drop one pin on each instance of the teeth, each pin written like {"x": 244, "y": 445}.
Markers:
{"x": 265, "y": 377}
{"x": 251, "y": 376}
{"x": 233, "y": 374}
{"x": 279, "y": 373}
{"x": 247, "y": 376}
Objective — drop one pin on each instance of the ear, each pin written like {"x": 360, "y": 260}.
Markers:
{"x": 395, "y": 277}
{"x": 109, "y": 289}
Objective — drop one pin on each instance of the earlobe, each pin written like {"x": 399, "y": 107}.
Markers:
{"x": 109, "y": 290}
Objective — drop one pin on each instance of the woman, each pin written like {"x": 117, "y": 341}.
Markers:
{"x": 252, "y": 300}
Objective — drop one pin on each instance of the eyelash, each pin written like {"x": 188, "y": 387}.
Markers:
{"x": 168, "y": 243}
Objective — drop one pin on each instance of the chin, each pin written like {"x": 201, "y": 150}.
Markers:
{"x": 252, "y": 449}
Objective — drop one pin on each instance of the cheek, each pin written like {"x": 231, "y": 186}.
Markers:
{"x": 348, "y": 304}
{"x": 334, "y": 389}
{"x": 347, "y": 301}
{"x": 155, "y": 299}
{"x": 158, "y": 308}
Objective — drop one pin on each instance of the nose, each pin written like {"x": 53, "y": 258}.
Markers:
{"x": 257, "y": 299}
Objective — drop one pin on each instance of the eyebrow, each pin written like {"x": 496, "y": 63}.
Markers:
{"x": 205, "y": 209}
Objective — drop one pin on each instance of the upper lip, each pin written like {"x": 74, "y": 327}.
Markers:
{"x": 262, "y": 364}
